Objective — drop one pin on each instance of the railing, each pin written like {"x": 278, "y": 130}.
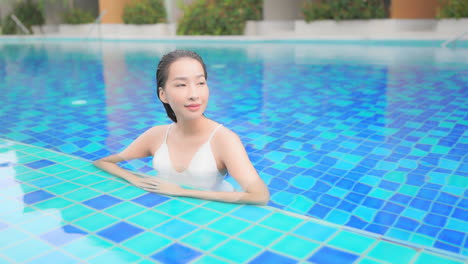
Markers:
{"x": 19, "y": 24}
{"x": 97, "y": 21}
{"x": 454, "y": 39}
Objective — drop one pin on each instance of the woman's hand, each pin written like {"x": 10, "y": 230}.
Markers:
{"x": 156, "y": 185}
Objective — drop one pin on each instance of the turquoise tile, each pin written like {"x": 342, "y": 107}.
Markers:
{"x": 72, "y": 174}
{"x": 56, "y": 202}
{"x": 398, "y": 234}
{"x": 301, "y": 204}
{"x": 33, "y": 175}
{"x": 149, "y": 219}
{"x": 303, "y": 182}
{"x": 281, "y": 221}
{"x": 221, "y": 207}
{"x": 108, "y": 185}
{"x": 229, "y": 225}
{"x": 147, "y": 243}
{"x": 76, "y": 211}
{"x": 34, "y": 248}
{"x": 365, "y": 213}
{"x": 381, "y": 193}
{"x": 260, "y": 235}
{"x": 283, "y": 198}
{"x": 237, "y": 251}
{"x": 63, "y": 188}
{"x": 174, "y": 207}
{"x": 95, "y": 222}
{"x": 55, "y": 169}
{"x": 295, "y": 246}
{"x": 128, "y": 192}
{"x": 422, "y": 240}
{"x": 204, "y": 239}
{"x": 200, "y": 216}
{"x": 392, "y": 253}
{"x": 338, "y": 217}
{"x": 87, "y": 246}
{"x": 88, "y": 179}
{"x": 251, "y": 213}
{"x": 351, "y": 242}
{"x": 124, "y": 210}
{"x": 369, "y": 261}
{"x": 429, "y": 258}
{"x": 315, "y": 231}
{"x": 82, "y": 194}
{"x": 414, "y": 213}
{"x": 175, "y": 228}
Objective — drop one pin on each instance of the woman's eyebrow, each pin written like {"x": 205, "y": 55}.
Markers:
{"x": 181, "y": 78}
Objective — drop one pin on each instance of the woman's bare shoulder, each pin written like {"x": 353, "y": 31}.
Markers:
{"x": 225, "y": 136}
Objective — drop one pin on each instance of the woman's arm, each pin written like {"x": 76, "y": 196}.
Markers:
{"x": 139, "y": 148}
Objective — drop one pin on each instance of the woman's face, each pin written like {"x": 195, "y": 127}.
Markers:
{"x": 186, "y": 90}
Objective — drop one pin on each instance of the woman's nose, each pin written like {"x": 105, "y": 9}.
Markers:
{"x": 193, "y": 91}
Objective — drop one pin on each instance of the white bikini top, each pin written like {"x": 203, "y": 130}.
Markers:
{"x": 201, "y": 173}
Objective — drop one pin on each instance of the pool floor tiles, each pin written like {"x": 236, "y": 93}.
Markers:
{"x": 56, "y": 208}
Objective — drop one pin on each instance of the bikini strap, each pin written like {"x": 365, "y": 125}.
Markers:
{"x": 167, "y": 133}
{"x": 214, "y": 131}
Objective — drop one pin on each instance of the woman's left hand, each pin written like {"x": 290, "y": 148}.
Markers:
{"x": 164, "y": 187}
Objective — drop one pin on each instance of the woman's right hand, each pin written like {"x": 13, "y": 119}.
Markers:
{"x": 144, "y": 183}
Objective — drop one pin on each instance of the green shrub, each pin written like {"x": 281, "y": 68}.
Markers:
{"x": 28, "y": 12}
{"x": 78, "y": 16}
{"x": 343, "y": 9}
{"x": 227, "y": 17}
{"x": 8, "y": 26}
{"x": 145, "y": 12}
{"x": 453, "y": 9}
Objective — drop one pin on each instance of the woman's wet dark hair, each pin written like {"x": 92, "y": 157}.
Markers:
{"x": 162, "y": 73}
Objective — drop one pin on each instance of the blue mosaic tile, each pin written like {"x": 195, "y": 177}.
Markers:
{"x": 36, "y": 196}
{"x": 271, "y": 257}
{"x": 120, "y": 232}
{"x": 176, "y": 254}
{"x": 39, "y": 164}
{"x": 102, "y": 202}
{"x": 150, "y": 199}
{"x": 332, "y": 256}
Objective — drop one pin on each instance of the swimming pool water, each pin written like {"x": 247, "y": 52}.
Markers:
{"x": 358, "y": 137}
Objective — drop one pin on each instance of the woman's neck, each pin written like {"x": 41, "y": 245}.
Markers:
{"x": 192, "y": 127}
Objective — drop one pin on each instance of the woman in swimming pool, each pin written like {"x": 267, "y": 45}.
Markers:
{"x": 194, "y": 151}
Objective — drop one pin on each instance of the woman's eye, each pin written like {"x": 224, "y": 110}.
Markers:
{"x": 201, "y": 83}
{"x": 180, "y": 85}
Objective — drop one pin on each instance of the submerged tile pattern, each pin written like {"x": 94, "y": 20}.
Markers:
{"x": 378, "y": 147}
{"x": 58, "y": 225}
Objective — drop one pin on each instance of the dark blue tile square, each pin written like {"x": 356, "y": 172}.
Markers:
{"x": 327, "y": 255}
{"x": 346, "y": 206}
{"x": 377, "y": 229}
{"x": 329, "y": 200}
{"x": 362, "y": 188}
{"x": 407, "y": 223}
{"x": 270, "y": 257}
{"x": 460, "y": 214}
{"x": 176, "y": 254}
{"x": 120, "y": 232}
{"x": 150, "y": 199}
{"x": 319, "y": 211}
{"x": 393, "y": 208}
{"x": 428, "y": 230}
{"x": 373, "y": 202}
{"x": 441, "y": 209}
{"x": 36, "y": 196}
{"x": 435, "y": 220}
{"x": 102, "y": 202}
{"x": 447, "y": 247}
{"x": 426, "y": 194}
{"x": 320, "y": 186}
{"x": 39, "y": 164}
{"x": 345, "y": 184}
{"x": 420, "y": 204}
{"x": 355, "y": 198}
{"x": 61, "y": 236}
{"x": 385, "y": 218}
{"x": 356, "y": 222}
{"x": 401, "y": 198}
{"x": 451, "y": 236}
{"x": 278, "y": 184}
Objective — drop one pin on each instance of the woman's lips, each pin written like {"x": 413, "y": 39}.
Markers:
{"x": 193, "y": 107}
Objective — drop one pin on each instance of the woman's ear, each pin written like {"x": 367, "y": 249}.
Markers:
{"x": 162, "y": 95}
